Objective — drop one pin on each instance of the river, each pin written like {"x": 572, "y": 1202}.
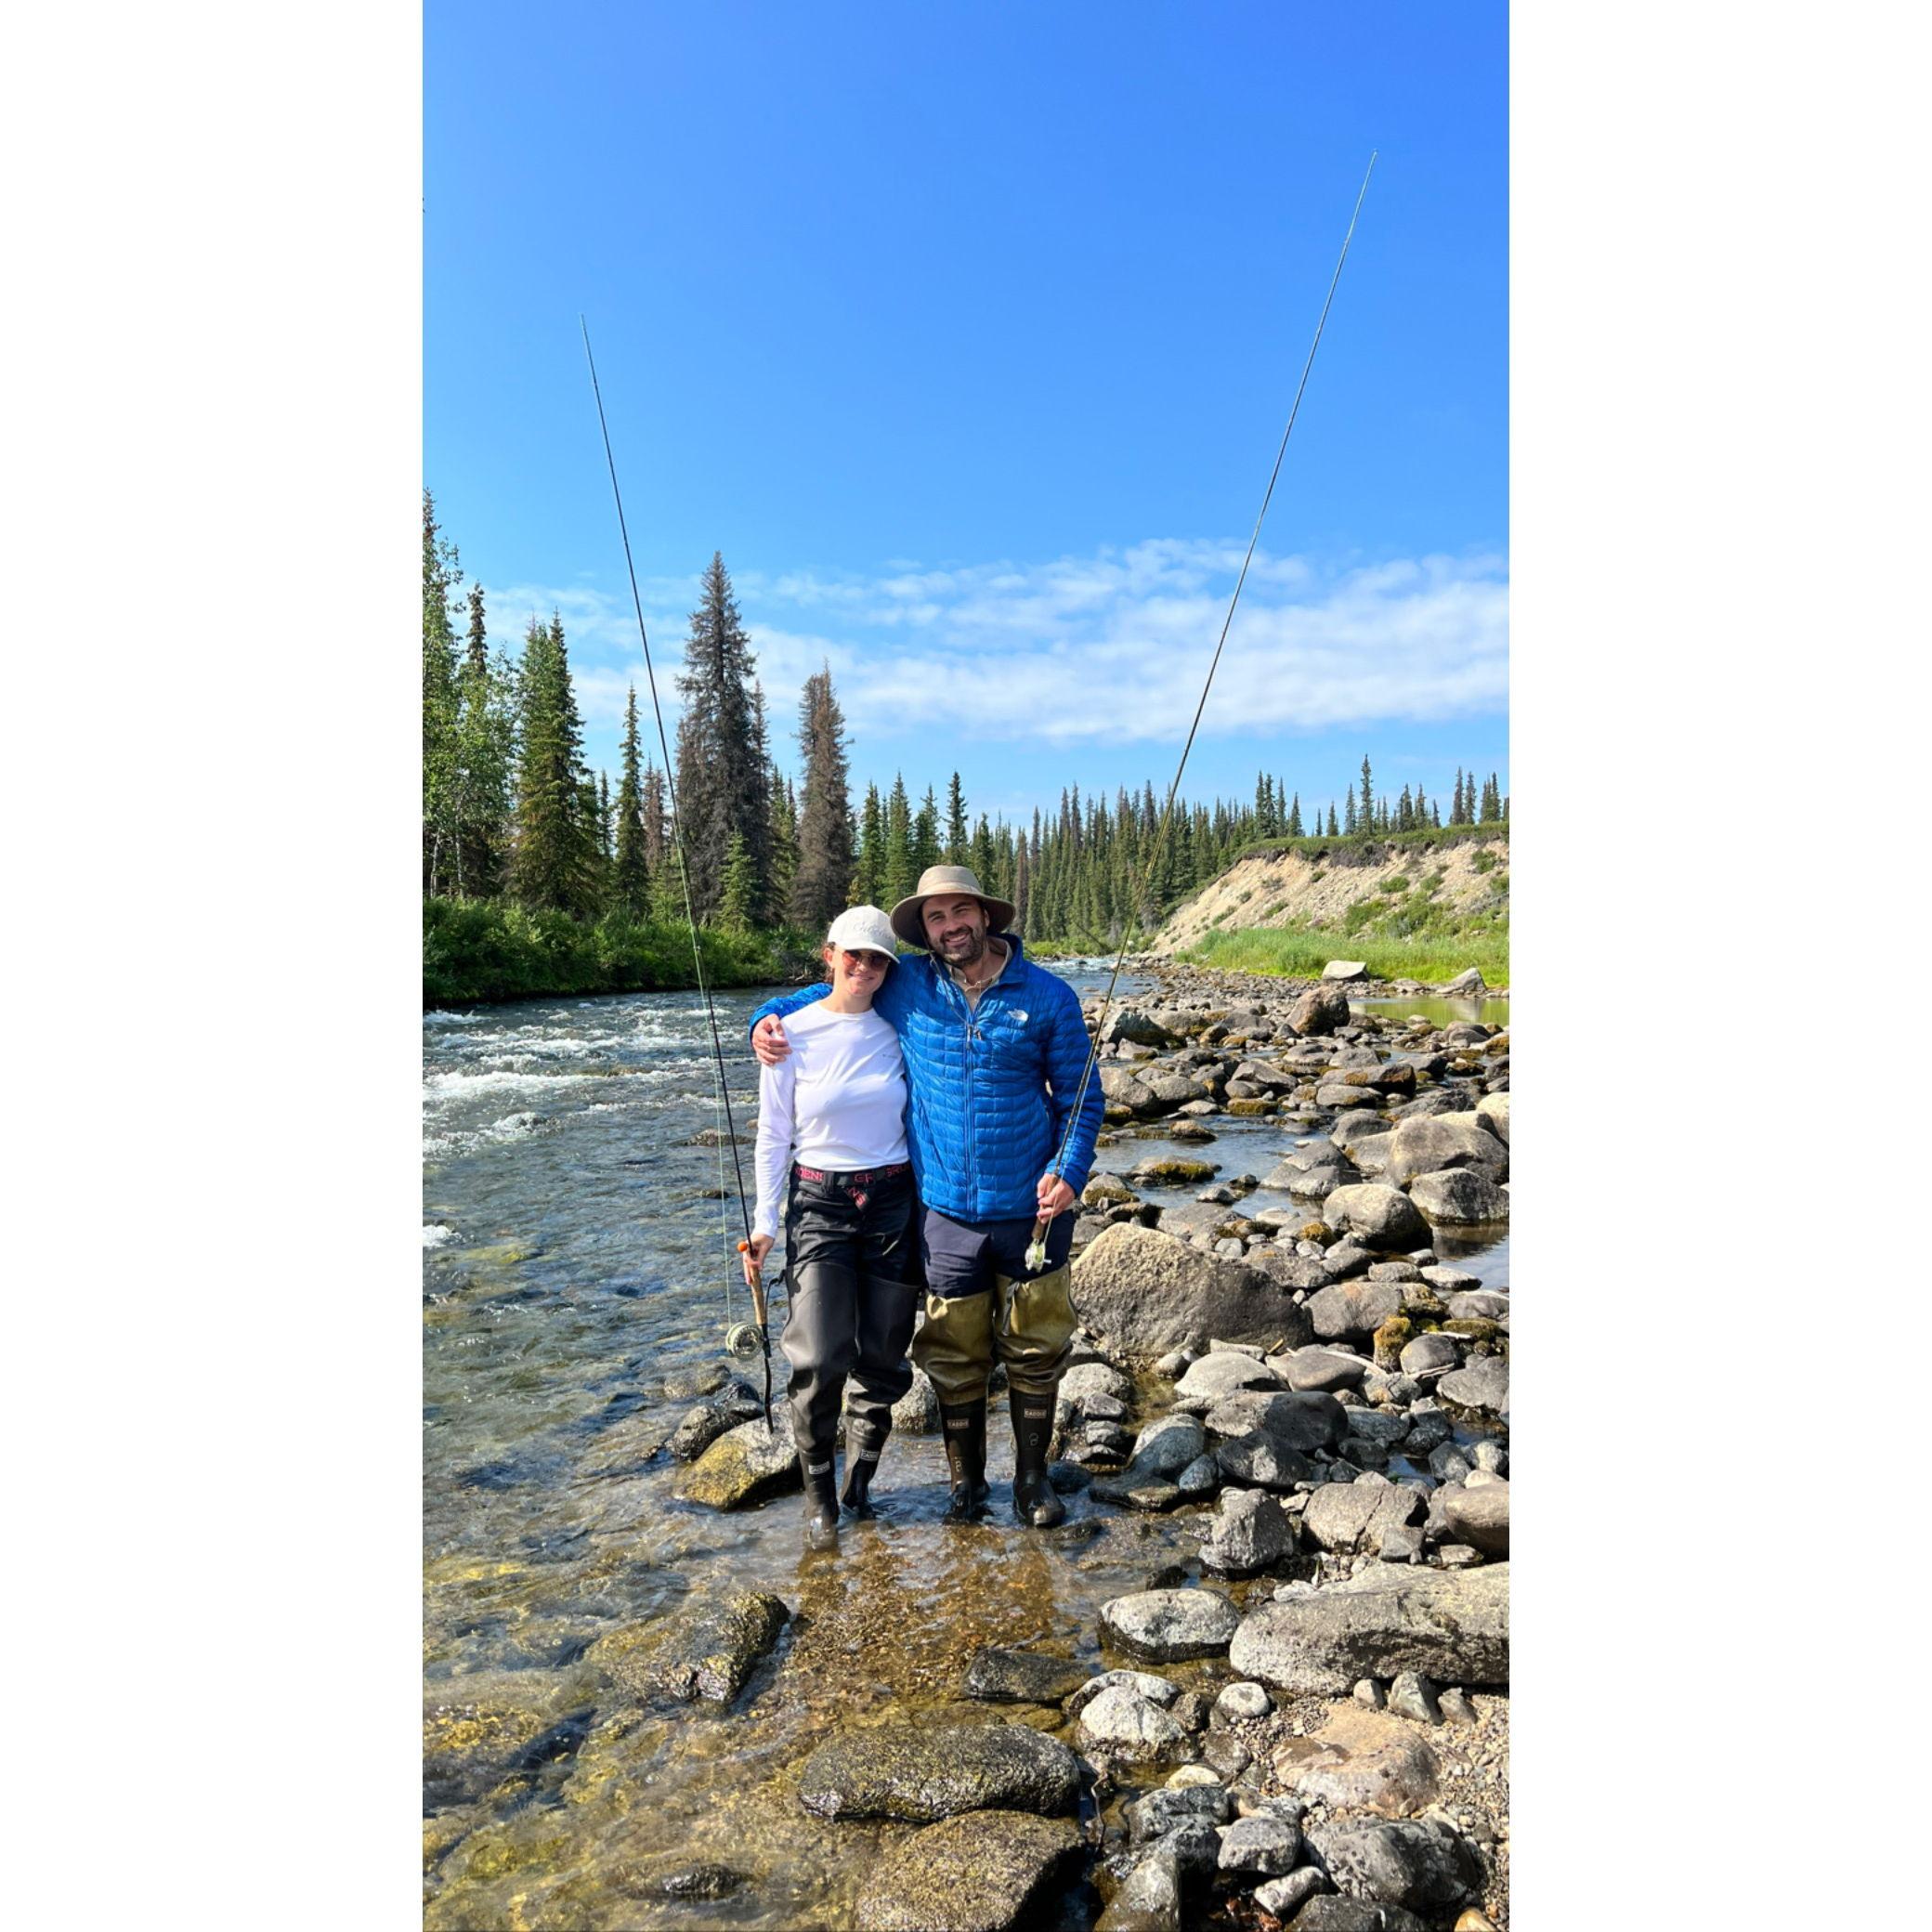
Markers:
{"x": 578, "y": 1278}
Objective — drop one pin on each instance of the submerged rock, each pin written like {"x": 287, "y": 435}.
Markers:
{"x": 1390, "y": 1618}
{"x": 972, "y": 1874}
{"x": 917, "y": 1773}
{"x": 703, "y": 1649}
{"x": 1022, "y": 1676}
{"x": 743, "y": 1466}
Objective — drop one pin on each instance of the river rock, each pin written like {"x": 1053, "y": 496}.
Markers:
{"x": 1460, "y": 1197}
{"x": 1329, "y": 1912}
{"x": 1126, "y": 1728}
{"x": 1430, "y": 1354}
{"x": 919, "y": 1772}
{"x": 1166, "y": 1627}
{"x": 1282, "y": 1897}
{"x": 1319, "y": 1011}
{"x": 1251, "y": 1530}
{"x": 1420, "y": 1864}
{"x": 1148, "y": 1292}
{"x": 1241, "y": 1701}
{"x": 1159, "y": 1813}
{"x": 1479, "y": 1516}
{"x": 1298, "y": 1418}
{"x": 1390, "y": 1618}
{"x": 471, "y": 1741}
{"x": 1141, "y": 1029}
{"x": 917, "y": 1412}
{"x": 1259, "y": 1460}
{"x": 1149, "y": 1897}
{"x": 1479, "y": 1305}
{"x": 743, "y": 1466}
{"x": 1167, "y": 1446}
{"x": 1380, "y": 1217}
{"x": 1492, "y": 1110}
{"x": 972, "y": 1874}
{"x": 705, "y": 1648}
{"x": 1350, "y": 1516}
{"x": 626, "y": 1446}
{"x": 1326, "y": 1370}
{"x": 1412, "y": 1695}
{"x": 699, "y": 1428}
{"x": 1142, "y": 1683}
{"x": 1431, "y": 1145}
{"x": 1353, "y": 1309}
{"x": 1219, "y": 1373}
{"x": 998, "y": 1676}
{"x": 1483, "y": 1385}
{"x": 1362, "y": 1760}
{"x": 1344, "y": 970}
{"x": 1263, "y": 1844}
{"x": 1090, "y": 1379}
{"x": 1173, "y": 1171}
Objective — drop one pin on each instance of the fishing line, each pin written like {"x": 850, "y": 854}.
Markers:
{"x": 738, "y": 1341}
{"x": 1160, "y": 843}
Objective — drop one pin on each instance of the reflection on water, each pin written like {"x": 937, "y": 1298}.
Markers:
{"x": 579, "y": 1273}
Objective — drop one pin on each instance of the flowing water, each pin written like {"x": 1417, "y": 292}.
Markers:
{"x": 577, "y": 1278}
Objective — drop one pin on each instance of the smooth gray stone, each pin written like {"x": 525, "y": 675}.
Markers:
{"x": 1301, "y": 1419}
{"x": 1123, "y": 1726}
{"x": 1479, "y": 1516}
{"x": 1148, "y": 1292}
{"x": 1453, "y": 1626}
{"x": 1352, "y": 1517}
{"x": 1353, "y": 1310}
{"x": 1460, "y": 1197}
{"x": 1326, "y": 1369}
{"x": 1378, "y": 1215}
{"x": 1251, "y": 1530}
{"x": 1149, "y": 1898}
{"x": 1280, "y": 1898}
{"x": 1261, "y": 1461}
{"x": 1412, "y": 1695}
{"x": 1483, "y": 1384}
{"x": 1166, "y": 1627}
{"x": 1269, "y": 1845}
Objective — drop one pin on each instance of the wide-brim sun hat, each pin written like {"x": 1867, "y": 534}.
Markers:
{"x": 947, "y": 883}
{"x": 864, "y": 929}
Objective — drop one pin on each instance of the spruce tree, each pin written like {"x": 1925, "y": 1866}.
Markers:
{"x": 956, "y": 838}
{"x": 784, "y": 844}
{"x": 1347, "y": 822}
{"x": 825, "y": 854}
{"x": 926, "y": 849}
{"x": 485, "y": 754}
{"x": 1294, "y": 817}
{"x": 441, "y": 577}
{"x": 631, "y": 872}
{"x": 1022, "y": 887}
{"x": 553, "y": 866}
{"x": 657, "y": 822}
{"x": 1334, "y": 831}
{"x": 720, "y": 764}
{"x": 868, "y": 888}
{"x": 740, "y": 886}
{"x": 901, "y": 875}
{"x": 1367, "y": 809}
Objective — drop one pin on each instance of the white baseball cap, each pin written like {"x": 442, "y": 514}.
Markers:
{"x": 864, "y": 929}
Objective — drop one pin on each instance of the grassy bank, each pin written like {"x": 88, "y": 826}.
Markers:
{"x": 1301, "y": 954}
{"x": 480, "y": 949}
{"x": 1371, "y": 846}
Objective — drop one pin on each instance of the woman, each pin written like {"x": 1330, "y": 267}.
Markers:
{"x": 831, "y": 1144}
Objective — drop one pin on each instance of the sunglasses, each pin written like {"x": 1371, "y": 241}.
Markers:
{"x": 854, "y": 961}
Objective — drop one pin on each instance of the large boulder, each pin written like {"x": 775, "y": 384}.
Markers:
{"x": 1492, "y": 1110}
{"x": 743, "y": 1466}
{"x": 1484, "y": 1386}
{"x": 1461, "y": 1197}
{"x": 973, "y": 1873}
{"x": 919, "y": 1772}
{"x": 1452, "y": 1626}
{"x": 1352, "y": 1517}
{"x": 1427, "y": 1144}
{"x": 1379, "y": 1217}
{"x": 1168, "y": 1627}
{"x": 1147, "y": 1292}
{"x": 1320, "y": 1009}
{"x": 1250, "y": 1531}
{"x": 1219, "y": 1373}
{"x": 1344, "y": 970}
{"x": 1352, "y": 1308}
{"x": 704, "y": 1649}
{"x": 1362, "y": 1760}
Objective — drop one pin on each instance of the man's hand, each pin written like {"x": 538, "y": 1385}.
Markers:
{"x": 1054, "y": 1195}
{"x": 755, "y": 1257}
{"x": 768, "y": 1040}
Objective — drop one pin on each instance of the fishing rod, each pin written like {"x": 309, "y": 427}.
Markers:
{"x": 1037, "y": 1251}
{"x": 741, "y": 1338}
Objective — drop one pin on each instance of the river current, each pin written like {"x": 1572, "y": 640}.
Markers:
{"x": 579, "y": 1273}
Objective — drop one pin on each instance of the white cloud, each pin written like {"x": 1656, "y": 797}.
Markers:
{"x": 1112, "y": 646}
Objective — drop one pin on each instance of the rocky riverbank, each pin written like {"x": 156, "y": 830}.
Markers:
{"x": 1286, "y": 1430}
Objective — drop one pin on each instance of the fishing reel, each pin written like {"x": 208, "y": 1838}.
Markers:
{"x": 744, "y": 1341}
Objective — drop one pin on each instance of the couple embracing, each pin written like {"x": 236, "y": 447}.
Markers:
{"x": 913, "y": 1122}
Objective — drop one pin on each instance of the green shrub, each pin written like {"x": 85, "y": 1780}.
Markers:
{"x": 1483, "y": 862}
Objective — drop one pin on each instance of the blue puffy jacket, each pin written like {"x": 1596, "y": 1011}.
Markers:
{"x": 991, "y": 1088}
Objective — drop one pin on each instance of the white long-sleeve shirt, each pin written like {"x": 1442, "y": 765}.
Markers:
{"x": 836, "y": 1101}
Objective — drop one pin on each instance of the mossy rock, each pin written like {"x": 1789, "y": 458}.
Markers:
{"x": 1318, "y": 1230}
{"x": 1488, "y": 1338}
{"x": 1251, "y": 1109}
{"x": 1174, "y": 1171}
{"x": 1391, "y": 1338}
{"x": 1420, "y": 1302}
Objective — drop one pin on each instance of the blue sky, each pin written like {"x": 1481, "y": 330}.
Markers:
{"x": 967, "y": 334}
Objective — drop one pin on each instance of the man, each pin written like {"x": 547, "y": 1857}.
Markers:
{"x": 995, "y": 1048}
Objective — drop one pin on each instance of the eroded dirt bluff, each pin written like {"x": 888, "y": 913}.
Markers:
{"x": 1469, "y": 877}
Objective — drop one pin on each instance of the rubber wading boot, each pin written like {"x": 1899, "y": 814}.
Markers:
{"x": 861, "y": 1465}
{"x": 1033, "y": 1501}
{"x": 965, "y": 1426}
{"x": 821, "y": 1502}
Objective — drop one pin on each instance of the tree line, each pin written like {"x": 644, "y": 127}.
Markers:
{"x": 511, "y": 809}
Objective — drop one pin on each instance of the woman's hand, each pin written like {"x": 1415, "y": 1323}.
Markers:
{"x": 755, "y": 1257}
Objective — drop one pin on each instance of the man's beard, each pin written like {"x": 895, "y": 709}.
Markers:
{"x": 968, "y": 951}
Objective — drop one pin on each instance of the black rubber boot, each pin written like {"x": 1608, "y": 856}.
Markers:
{"x": 861, "y": 1465}
{"x": 965, "y": 1427}
{"x": 1033, "y": 1501}
{"x": 821, "y": 1502}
